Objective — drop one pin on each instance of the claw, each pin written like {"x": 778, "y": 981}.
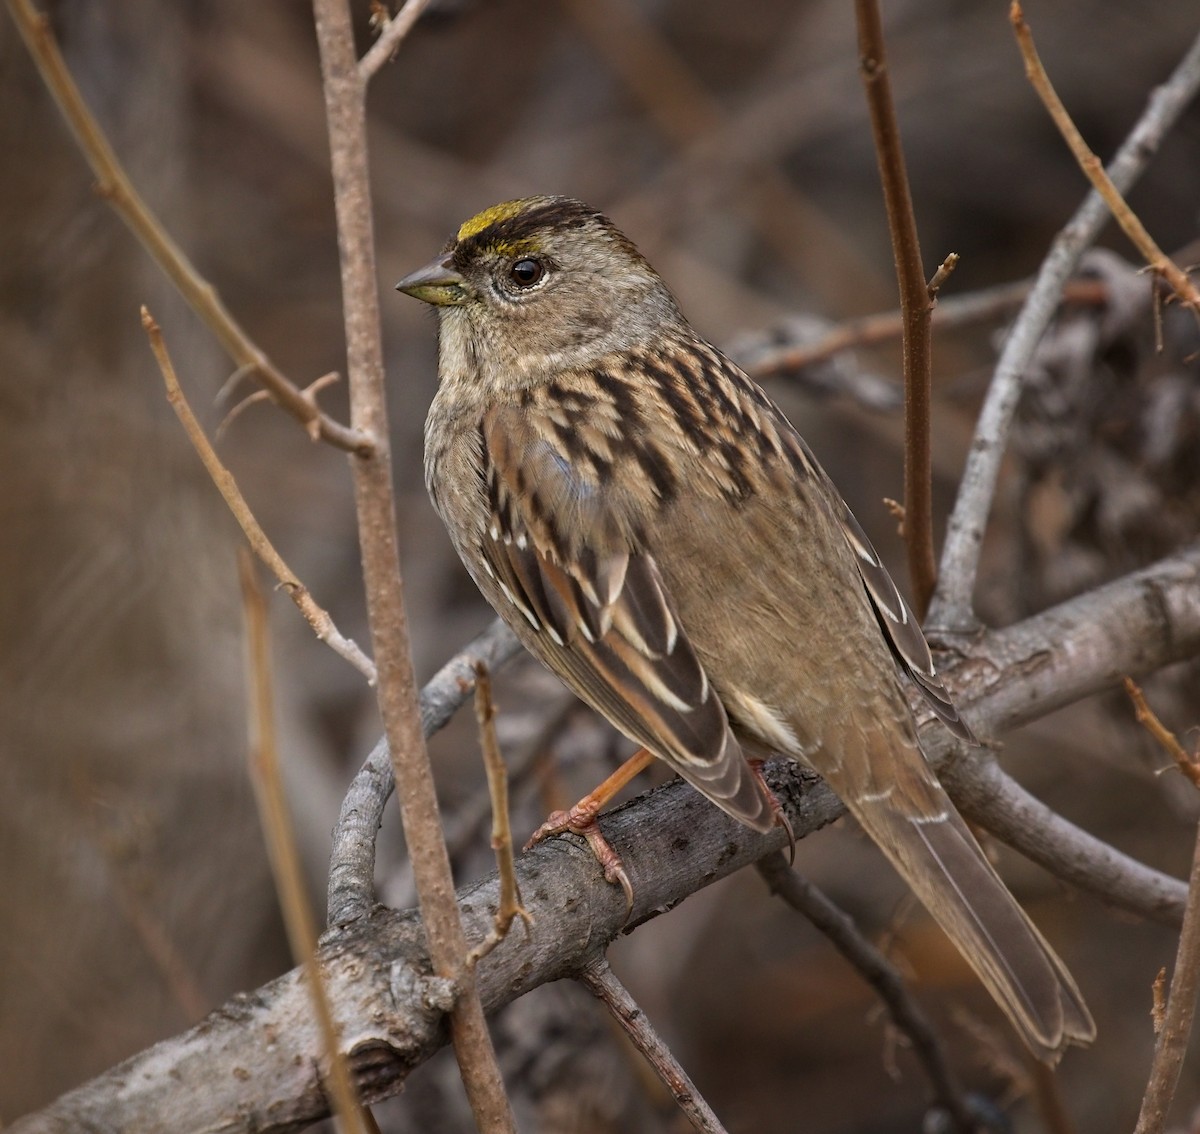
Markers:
{"x": 781, "y": 818}
{"x": 614, "y": 868}
{"x": 581, "y": 820}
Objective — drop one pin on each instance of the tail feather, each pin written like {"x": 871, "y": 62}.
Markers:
{"x": 917, "y": 827}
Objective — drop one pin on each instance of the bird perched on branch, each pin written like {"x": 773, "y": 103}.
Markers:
{"x": 655, "y": 532}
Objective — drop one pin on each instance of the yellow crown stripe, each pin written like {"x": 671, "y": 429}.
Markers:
{"x": 497, "y": 213}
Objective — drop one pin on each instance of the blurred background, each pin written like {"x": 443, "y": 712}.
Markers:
{"x": 732, "y": 144}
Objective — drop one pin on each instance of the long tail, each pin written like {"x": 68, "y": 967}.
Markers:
{"x": 891, "y": 790}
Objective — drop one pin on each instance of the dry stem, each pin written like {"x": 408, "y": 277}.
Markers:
{"x": 393, "y": 33}
{"x": 345, "y": 101}
{"x": 952, "y": 608}
{"x": 1173, "y": 1022}
{"x": 115, "y": 186}
{"x": 1130, "y": 224}
{"x": 1172, "y": 1042}
{"x": 956, "y": 311}
{"x": 281, "y": 842}
{"x": 915, "y": 306}
{"x": 502, "y": 841}
{"x": 314, "y": 615}
{"x": 602, "y": 982}
{"x": 1147, "y": 717}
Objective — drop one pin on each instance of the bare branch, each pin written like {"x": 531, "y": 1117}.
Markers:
{"x": 384, "y": 49}
{"x": 1177, "y": 1019}
{"x": 1130, "y": 224}
{"x": 838, "y": 926}
{"x": 952, "y": 609}
{"x": 281, "y": 843}
{"x": 1173, "y": 1024}
{"x": 502, "y": 840}
{"x": 316, "y": 616}
{"x": 915, "y": 305}
{"x": 115, "y": 187}
{"x": 345, "y": 104}
{"x": 987, "y": 795}
{"x": 1166, "y": 739}
{"x": 602, "y": 982}
{"x": 953, "y": 311}
{"x": 671, "y": 840}
{"x": 352, "y": 858}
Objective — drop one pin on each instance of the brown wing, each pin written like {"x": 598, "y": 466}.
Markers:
{"x": 894, "y": 614}
{"x": 601, "y": 615}
{"x": 901, "y": 627}
{"x": 898, "y": 621}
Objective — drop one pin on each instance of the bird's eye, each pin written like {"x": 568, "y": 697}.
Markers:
{"x": 526, "y": 272}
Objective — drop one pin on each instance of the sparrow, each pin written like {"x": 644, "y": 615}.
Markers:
{"x": 657, "y": 533}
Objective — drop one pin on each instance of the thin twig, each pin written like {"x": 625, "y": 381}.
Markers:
{"x": 352, "y": 857}
{"x": 952, "y": 608}
{"x": 938, "y": 280}
{"x": 345, "y": 102}
{"x": 464, "y": 827}
{"x": 281, "y": 842}
{"x": 837, "y": 925}
{"x": 1173, "y": 1022}
{"x": 915, "y": 305}
{"x": 1171, "y": 1045}
{"x": 502, "y": 841}
{"x": 392, "y": 35}
{"x": 599, "y": 979}
{"x": 1148, "y": 719}
{"x": 314, "y": 615}
{"x": 115, "y": 186}
{"x": 1158, "y": 1000}
{"x": 1130, "y": 224}
{"x": 955, "y": 311}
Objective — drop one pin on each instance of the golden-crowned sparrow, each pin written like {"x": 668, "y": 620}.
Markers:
{"x": 657, "y": 533}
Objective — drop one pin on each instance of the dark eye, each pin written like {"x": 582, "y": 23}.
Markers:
{"x": 527, "y": 272}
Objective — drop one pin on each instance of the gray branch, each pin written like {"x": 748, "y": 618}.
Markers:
{"x": 952, "y": 608}
{"x": 352, "y": 857}
{"x": 673, "y": 842}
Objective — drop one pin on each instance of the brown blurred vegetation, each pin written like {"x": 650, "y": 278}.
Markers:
{"x": 134, "y": 890}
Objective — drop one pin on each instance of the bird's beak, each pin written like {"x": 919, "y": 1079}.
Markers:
{"x": 437, "y": 283}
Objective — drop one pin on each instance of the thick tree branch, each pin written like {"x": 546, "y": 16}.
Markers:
{"x": 673, "y": 842}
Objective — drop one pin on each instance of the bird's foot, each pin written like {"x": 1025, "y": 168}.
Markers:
{"x": 581, "y": 820}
